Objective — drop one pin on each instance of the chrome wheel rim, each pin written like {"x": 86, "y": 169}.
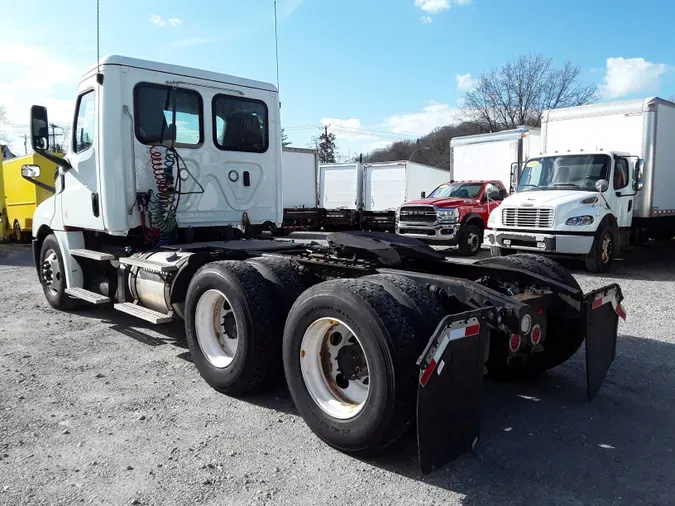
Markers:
{"x": 52, "y": 277}
{"x": 216, "y": 329}
{"x": 334, "y": 368}
{"x": 473, "y": 241}
{"x": 606, "y": 248}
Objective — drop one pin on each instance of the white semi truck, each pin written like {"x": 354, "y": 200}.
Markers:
{"x": 497, "y": 156}
{"x": 604, "y": 182}
{"x": 170, "y": 173}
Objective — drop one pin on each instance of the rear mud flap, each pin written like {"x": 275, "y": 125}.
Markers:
{"x": 602, "y": 310}
{"x": 450, "y": 389}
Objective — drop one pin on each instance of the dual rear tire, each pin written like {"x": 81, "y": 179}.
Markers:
{"x": 348, "y": 347}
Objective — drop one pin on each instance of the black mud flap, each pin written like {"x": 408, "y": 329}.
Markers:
{"x": 602, "y": 311}
{"x": 450, "y": 389}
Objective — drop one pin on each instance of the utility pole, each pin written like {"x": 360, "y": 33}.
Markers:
{"x": 25, "y": 144}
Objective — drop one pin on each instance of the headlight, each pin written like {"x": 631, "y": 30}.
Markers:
{"x": 492, "y": 219}
{"x": 447, "y": 215}
{"x": 579, "y": 221}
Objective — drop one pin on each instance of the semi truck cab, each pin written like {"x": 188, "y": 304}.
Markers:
{"x": 572, "y": 204}
{"x": 454, "y": 214}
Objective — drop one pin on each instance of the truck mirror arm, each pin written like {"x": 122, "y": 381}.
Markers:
{"x": 42, "y": 185}
{"x": 61, "y": 162}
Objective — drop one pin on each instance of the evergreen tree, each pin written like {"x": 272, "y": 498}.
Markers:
{"x": 326, "y": 147}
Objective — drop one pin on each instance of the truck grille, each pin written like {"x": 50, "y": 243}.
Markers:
{"x": 417, "y": 214}
{"x": 527, "y": 218}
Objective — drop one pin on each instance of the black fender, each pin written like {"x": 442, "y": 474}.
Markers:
{"x": 43, "y": 232}
{"x": 475, "y": 219}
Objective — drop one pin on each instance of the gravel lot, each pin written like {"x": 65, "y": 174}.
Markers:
{"x": 98, "y": 408}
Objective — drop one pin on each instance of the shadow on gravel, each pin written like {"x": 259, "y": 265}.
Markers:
{"x": 542, "y": 442}
{"x": 16, "y": 255}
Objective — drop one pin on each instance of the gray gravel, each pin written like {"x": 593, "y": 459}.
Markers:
{"x": 97, "y": 408}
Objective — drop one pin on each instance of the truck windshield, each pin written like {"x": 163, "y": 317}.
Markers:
{"x": 577, "y": 172}
{"x": 460, "y": 190}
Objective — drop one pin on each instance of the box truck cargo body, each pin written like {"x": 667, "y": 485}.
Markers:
{"x": 495, "y": 156}
{"x": 388, "y": 185}
{"x": 605, "y": 181}
{"x": 299, "y": 171}
{"x": 340, "y": 193}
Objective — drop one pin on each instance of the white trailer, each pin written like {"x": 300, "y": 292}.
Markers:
{"x": 389, "y": 185}
{"x": 340, "y": 193}
{"x": 299, "y": 174}
{"x": 604, "y": 182}
{"x": 496, "y": 156}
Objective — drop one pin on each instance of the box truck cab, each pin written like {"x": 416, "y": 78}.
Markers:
{"x": 614, "y": 189}
{"x": 454, "y": 214}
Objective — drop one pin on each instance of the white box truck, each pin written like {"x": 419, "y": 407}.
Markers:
{"x": 299, "y": 173}
{"x": 605, "y": 181}
{"x": 389, "y": 185}
{"x": 340, "y": 194}
{"x": 495, "y": 156}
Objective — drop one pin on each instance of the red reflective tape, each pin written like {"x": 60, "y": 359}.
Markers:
{"x": 597, "y": 303}
{"x": 472, "y": 330}
{"x": 428, "y": 372}
{"x": 620, "y": 311}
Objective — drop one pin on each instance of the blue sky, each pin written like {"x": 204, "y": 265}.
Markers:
{"x": 375, "y": 70}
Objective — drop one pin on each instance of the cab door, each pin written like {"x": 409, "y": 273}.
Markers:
{"x": 80, "y": 195}
{"x": 622, "y": 195}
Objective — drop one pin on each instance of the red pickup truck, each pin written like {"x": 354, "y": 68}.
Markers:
{"x": 454, "y": 214}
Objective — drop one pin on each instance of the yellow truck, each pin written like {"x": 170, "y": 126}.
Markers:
{"x": 19, "y": 197}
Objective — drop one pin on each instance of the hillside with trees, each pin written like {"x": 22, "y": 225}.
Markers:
{"x": 503, "y": 98}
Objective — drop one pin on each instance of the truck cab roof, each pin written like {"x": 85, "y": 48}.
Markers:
{"x": 178, "y": 71}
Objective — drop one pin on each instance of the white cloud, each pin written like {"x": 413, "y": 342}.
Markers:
{"x": 436, "y": 6}
{"x": 433, "y": 6}
{"x": 426, "y": 19}
{"x": 625, "y": 76}
{"x": 346, "y": 129}
{"x": 158, "y": 20}
{"x": 30, "y": 75}
{"x": 465, "y": 82}
{"x": 421, "y": 123}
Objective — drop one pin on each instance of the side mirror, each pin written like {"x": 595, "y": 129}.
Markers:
{"x": 39, "y": 128}
{"x": 638, "y": 183}
{"x": 601, "y": 185}
{"x": 490, "y": 189}
{"x": 423, "y": 195}
{"x": 30, "y": 171}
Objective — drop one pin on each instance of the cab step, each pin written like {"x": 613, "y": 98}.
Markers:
{"x": 148, "y": 265}
{"x": 92, "y": 254}
{"x": 144, "y": 313}
{"x": 82, "y": 294}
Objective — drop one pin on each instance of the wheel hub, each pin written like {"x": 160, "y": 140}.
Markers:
{"x": 51, "y": 272}
{"x": 335, "y": 368}
{"x": 606, "y": 248}
{"x": 473, "y": 241}
{"x": 216, "y": 328}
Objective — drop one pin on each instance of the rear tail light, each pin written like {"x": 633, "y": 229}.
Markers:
{"x": 536, "y": 335}
{"x": 514, "y": 343}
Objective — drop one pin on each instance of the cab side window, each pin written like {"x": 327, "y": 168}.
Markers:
{"x": 83, "y": 136}
{"x": 620, "y": 173}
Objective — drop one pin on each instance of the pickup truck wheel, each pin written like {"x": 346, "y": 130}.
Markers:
{"x": 52, "y": 274}
{"x": 561, "y": 341}
{"x": 469, "y": 240}
{"x": 233, "y": 325}
{"x": 602, "y": 251}
{"x": 349, "y": 356}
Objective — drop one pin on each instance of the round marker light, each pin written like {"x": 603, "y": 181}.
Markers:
{"x": 525, "y": 324}
{"x": 536, "y": 335}
{"x": 514, "y": 343}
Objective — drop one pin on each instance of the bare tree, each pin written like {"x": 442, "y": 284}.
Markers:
{"x": 3, "y": 121}
{"x": 518, "y": 92}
